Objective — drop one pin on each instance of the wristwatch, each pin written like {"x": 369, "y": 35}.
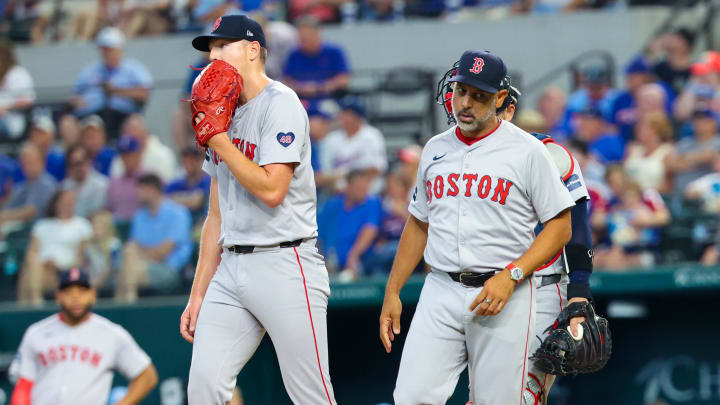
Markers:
{"x": 516, "y": 273}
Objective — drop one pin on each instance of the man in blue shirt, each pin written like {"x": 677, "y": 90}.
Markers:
{"x": 592, "y": 128}
{"x": 316, "y": 69}
{"x": 193, "y": 190}
{"x": 114, "y": 87}
{"x": 348, "y": 223}
{"x": 159, "y": 245}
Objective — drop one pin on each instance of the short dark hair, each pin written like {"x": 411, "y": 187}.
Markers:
{"x": 355, "y": 173}
{"x": 263, "y": 54}
{"x": 151, "y": 180}
{"x": 687, "y": 35}
{"x": 52, "y": 205}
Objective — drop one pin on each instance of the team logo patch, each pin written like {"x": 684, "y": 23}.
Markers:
{"x": 285, "y": 139}
{"x": 220, "y": 110}
{"x": 478, "y": 64}
{"x": 217, "y": 23}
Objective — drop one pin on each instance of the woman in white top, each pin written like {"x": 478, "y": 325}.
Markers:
{"x": 16, "y": 93}
{"x": 57, "y": 244}
{"x": 646, "y": 158}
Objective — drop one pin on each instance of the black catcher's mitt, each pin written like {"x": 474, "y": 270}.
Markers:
{"x": 561, "y": 354}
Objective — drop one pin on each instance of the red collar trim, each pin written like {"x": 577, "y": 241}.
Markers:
{"x": 469, "y": 141}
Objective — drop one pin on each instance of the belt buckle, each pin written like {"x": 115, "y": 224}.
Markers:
{"x": 463, "y": 273}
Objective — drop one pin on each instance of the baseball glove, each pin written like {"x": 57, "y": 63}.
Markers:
{"x": 562, "y": 354}
{"x": 215, "y": 94}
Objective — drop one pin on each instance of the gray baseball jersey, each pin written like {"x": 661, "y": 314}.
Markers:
{"x": 238, "y": 307}
{"x": 73, "y": 365}
{"x": 482, "y": 199}
{"x": 270, "y": 128}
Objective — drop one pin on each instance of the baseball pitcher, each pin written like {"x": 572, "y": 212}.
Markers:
{"x": 259, "y": 269}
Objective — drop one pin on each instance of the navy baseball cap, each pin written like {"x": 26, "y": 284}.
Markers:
{"x": 352, "y": 103}
{"x": 482, "y": 70}
{"x": 235, "y": 27}
{"x": 74, "y": 276}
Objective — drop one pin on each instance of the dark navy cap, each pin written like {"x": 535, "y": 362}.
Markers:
{"x": 235, "y": 27}
{"x": 127, "y": 144}
{"x": 592, "y": 111}
{"x": 482, "y": 70}
{"x": 352, "y": 103}
{"x": 703, "y": 113}
{"x": 596, "y": 75}
{"x": 73, "y": 276}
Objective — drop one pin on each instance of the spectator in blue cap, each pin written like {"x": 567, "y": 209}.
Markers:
{"x": 592, "y": 128}
{"x": 596, "y": 92}
{"x": 624, "y": 113}
{"x": 355, "y": 145}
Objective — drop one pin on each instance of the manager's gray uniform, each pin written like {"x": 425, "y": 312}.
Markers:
{"x": 281, "y": 290}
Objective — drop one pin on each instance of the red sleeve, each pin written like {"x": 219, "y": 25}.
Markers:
{"x": 653, "y": 200}
{"x": 21, "y": 394}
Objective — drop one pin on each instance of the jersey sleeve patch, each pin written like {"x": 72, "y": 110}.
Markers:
{"x": 285, "y": 138}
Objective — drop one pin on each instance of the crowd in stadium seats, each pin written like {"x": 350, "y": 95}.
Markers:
{"x": 130, "y": 209}
{"x": 40, "y": 21}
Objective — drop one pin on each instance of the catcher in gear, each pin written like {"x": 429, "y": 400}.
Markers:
{"x": 566, "y": 277}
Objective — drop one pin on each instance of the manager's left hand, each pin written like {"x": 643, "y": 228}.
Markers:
{"x": 495, "y": 294}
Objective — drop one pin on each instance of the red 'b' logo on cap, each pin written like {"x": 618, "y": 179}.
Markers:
{"x": 217, "y": 23}
{"x": 478, "y": 65}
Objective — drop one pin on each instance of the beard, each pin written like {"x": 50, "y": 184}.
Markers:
{"x": 74, "y": 318}
{"x": 478, "y": 123}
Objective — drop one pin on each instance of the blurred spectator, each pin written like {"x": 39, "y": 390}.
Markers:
{"x": 632, "y": 217}
{"x": 90, "y": 186}
{"x": 122, "y": 197}
{"x": 701, "y": 89}
{"x": 103, "y": 250}
{"x": 27, "y": 21}
{"x": 394, "y": 214}
{"x": 8, "y": 167}
{"x": 193, "y": 190}
{"x": 551, "y": 105}
{"x": 356, "y": 145}
{"x": 156, "y": 157}
{"x": 57, "y": 244}
{"x": 624, "y": 114}
{"x": 348, "y": 224}
{"x": 207, "y": 11}
{"x": 706, "y": 189}
{"x": 674, "y": 51}
{"x": 595, "y": 92}
{"x": 68, "y": 130}
{"x": 30, "y": 198}
{"x": 647, "y": 157}
{"x": 181, "y": 127}
{"x": 558, "y": 6}
{"x": 42, "y": 135}
{"x": 316, "y": 69}
{"x": 592, "y": 128}
{"x": 409, "y": 160}
{"x": 530, "y": 120}
{"x": 159, "y": 245}
{"x": 282, "y": 38}
{"x": 17, "y": 93}
{"x": 320, "y": 120}
{"x": 114, "y": 87}
{"x": 93, "y": 137}
{"x": 651, "y": 98}
{"x": 693, "y": 156}
{"x": 146, "y": 17}
{"x": 322, "y": 10}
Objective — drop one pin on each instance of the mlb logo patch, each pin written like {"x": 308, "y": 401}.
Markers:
{"x": 285, "y": 139}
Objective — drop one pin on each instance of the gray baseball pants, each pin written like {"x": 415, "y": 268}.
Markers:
{"x": 283, "y": 291}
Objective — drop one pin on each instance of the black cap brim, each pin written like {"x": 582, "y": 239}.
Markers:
{"x": 202, "y": 42}
{"x": 470, "y": 81}
{"x": 63, "y": 286}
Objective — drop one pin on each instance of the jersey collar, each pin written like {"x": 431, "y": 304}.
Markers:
{"x": 470, "y": 141}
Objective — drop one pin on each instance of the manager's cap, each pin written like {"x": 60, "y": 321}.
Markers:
{"x": 74, "y": 276}
{"x": 235, "y": 27}
{"x": 482, "y": 70}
